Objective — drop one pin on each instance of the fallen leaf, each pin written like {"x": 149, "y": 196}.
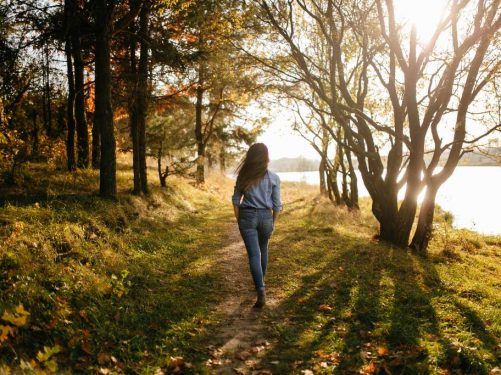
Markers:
{"x": 382, "y": 351}
{"x": 102, "y": 358}
{"x": 325, "y": 307}
{"x": 244, "y": 355}
{"x": 369, "y": 369}
{"x": 176, "y": 362}
{"x": 261, "y": 342}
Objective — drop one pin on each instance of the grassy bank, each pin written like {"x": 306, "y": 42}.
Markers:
{"x": 119, "y": 286}
{"x": 350, "y": 304}
{"x": 96, "y": 286}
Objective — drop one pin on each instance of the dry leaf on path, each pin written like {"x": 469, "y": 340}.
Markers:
{"x": 382, "y": 350}
{"x": 325, "y": 307}
{"x": 369, "y": 369}
{"x": 244, "y": 355}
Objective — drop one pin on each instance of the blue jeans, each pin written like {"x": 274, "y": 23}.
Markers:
{"x": 256, "y": 226}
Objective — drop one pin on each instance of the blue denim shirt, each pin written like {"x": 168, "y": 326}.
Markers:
{"x": 265, "y": 194}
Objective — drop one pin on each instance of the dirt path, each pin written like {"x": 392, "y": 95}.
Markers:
{"x": 239, "y": 343}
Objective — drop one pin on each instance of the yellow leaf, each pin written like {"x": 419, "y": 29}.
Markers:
{"x": 21, "y": 311}
{"x": 5, "y": 331}
{"x": 51, "y": 365}
{"x": 19, "y": 318}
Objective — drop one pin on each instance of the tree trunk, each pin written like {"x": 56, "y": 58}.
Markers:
{"x": 35, "y": 149}
{"x": 329, "y": 187}
{"x": 47, "y": 96}
{"x": 424, "y": 228}
{"x": 138, "y": 103}
{"x": 61, "y": 121}
{"x": 209, "y": 156}
{"x": 386, "y": 217}
{"x": 143, "y": 91}
{"x": 162, "y": 176}
{"x": 321, "y": 172}
{"x": 103, "y": 110}
{"x": 332, "y": 183}
{"x": 353, "y": 181}
{"x": 323, "y": 161}
{"x": 96, "y": 145}
{"x": 70, "y": 114}
{"x": 133, "y": 108}
{"x": 81, "y": 121}
{"x": 222, "y": 159}
{"x": 199, "y": 137}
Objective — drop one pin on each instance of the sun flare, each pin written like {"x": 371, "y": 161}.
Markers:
{"x": 423, "y": 14}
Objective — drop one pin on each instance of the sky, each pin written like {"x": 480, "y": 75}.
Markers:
{"x": 283, "y": 141}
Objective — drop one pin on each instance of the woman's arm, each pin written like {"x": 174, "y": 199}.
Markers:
{"x": 237, "y": 196}
{"x": 275, "y": 199}
{"x": 275, "y": 215}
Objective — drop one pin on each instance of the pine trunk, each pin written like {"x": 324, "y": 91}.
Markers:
{"x": 143, "y": 94}
{"x": 80, "y": 118}
{"x": 133, "y": 110}
{"x": 96, "y": 145}
{"x": 70, "y": 114}
{"x": 103, "y": 108}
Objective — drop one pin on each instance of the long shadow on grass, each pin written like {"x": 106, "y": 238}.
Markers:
{"x": 455, "y": 356}
{"x": 358, "y": 305}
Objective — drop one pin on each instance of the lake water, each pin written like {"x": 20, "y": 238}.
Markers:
{"x": 471, "y": 194}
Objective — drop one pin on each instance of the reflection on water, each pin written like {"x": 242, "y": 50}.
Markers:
{"x": 472, "y": 194}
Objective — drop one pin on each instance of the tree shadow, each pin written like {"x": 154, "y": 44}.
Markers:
{"x": 384, "y": 310}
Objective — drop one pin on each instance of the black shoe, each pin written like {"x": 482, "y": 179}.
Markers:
{"x": 261, "y": 299}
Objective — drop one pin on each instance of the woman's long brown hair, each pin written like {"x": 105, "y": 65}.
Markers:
{"x": 252, "y": 169}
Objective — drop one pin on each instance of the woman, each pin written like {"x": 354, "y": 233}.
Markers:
{"x": 257, "y": 212}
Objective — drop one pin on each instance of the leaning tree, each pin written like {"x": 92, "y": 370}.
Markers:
{"x": 405, "y": 105}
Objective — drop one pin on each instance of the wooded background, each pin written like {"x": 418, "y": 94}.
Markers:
{"x": 193, "y": 83}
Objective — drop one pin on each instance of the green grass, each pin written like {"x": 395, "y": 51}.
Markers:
{"x": 385, "y": 309}
{"x": 121, "y": 285}
{"x": 126, "y": 285}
